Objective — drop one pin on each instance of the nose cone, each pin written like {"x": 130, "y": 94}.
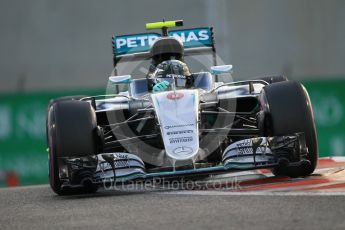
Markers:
{"x": 177, "y": 113}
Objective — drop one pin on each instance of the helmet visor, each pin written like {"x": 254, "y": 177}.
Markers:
{"x": 179, "y": 80}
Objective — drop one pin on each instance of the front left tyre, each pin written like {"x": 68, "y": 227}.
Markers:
{"x": 289, "y": 110}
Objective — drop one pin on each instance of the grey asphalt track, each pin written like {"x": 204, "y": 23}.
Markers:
{"x": 37, "y": 207}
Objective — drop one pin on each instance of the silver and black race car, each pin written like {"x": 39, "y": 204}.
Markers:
{"x": 215, "y": 125}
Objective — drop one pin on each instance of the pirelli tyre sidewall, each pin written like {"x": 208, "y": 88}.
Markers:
{"x": 288, "y": 111}
{"x": 71, "y": 128}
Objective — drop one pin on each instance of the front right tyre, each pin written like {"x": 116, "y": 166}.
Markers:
{"x": 71, "y": 132}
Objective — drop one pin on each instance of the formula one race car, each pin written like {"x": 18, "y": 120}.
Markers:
{"x": 153, "y": 123}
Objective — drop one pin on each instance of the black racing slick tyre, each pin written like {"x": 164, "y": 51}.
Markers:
{"x": 290, "y": 111}
{"x": 65, "y": 98}
{"x": 273, "y": 79}
{"x": 71, "y": 132}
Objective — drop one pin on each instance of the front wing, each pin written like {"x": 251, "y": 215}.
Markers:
{"x": 247, "y": 154}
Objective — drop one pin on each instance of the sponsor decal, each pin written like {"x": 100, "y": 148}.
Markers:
{"x": 177, "y": 126}
{"x": 120, "y": 160}
{"x": 120, "y": 156}
{"x": 188, "y": 36}
{"x": 245, "y": 150}
{"x": 117, "y": 163}
{"x": 184, "y": 150}
{"x": 244, "y": 147}
{"x": 135, "y": 41}
{"x": 125, "y": 44}
{"x": 121, "y": 163}
{"x": 5, "y": 122}
{"x": 176, "y": 140}
{"x": 244, "y": 143}
{"x": 179, "y": 132}
{"x": 247, "y": 147}
{"x": 175, "y": 95}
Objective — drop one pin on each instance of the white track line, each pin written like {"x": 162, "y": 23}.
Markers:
{"x": 256, "y": 193}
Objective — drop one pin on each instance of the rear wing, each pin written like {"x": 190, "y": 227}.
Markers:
{"x": 137, "y": 46}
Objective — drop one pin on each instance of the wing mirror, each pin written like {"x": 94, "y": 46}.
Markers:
{"x": 119, "y": 80}
{"x": 220, "y": 69}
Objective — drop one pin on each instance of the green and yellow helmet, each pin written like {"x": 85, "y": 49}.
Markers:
{"x": 173, "y": 71}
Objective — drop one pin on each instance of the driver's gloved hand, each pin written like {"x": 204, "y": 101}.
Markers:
{"x": 161, "y": 86}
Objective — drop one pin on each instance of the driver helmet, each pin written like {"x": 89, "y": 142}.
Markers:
{"x": 166, "y": 48}
{"x": 173, "y": 70}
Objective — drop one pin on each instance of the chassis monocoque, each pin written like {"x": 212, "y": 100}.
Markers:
{"x": 247, "y": 125}
{"x": 210, "y": 128}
